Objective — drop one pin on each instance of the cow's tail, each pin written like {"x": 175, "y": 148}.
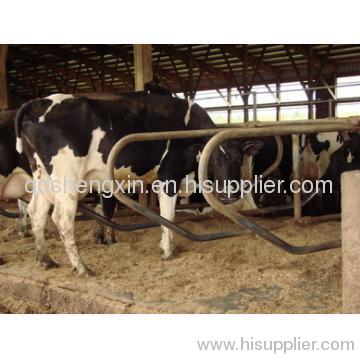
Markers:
{"x": 18, "y": 126}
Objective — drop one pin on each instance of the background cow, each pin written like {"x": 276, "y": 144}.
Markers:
{"x": 345, "y": 158}
{"x": 322, "y": 156}
{"x": 316, "y": 150}
{"x": 14, "y": 169}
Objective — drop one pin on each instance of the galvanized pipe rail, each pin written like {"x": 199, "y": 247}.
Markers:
{"x": 148, "y": 212}
{"x": 293, "y": 130}
{"x": 220, "y": 135}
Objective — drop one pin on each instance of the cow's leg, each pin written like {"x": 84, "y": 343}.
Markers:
{"x": 167, "y": 210}
{"x": 109, "y": 205}
{"x": 38, "y": 211}
{"x": 23, "y": 225}
{"x": 64, "y": 219}
{"x": 106, "y": 207}
{"x": 99, "y": 228}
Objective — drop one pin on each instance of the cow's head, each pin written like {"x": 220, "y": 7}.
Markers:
{"x": 227, "y": 159}
{"x": 316, "y": 150}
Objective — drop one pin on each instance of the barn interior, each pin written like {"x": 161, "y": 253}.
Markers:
{"x": 194, "y": 71}
{"x": 236, "y": 84}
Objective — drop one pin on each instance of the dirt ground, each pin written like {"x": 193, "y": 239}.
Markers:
{"x": 237, "y": 275}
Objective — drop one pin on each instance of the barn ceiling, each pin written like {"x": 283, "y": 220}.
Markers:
{"x": 38, "y": 70}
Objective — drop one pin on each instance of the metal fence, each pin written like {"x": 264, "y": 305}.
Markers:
{"x": 255, "y": 106}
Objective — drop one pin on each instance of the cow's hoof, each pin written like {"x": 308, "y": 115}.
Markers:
{"x": 85, "y": 272}
{"x": 167, "y": 248}
{"x": 2, "y": 262}
{"x": 100, "y": 240}
{"x": 110, "y": 240}
{"x": 46, "y": 262}
{"x": 25, "y": 234}
{"x": 105, "y": 240}
{"x": 99, "y": 236}
{"x": 167, "y": 255}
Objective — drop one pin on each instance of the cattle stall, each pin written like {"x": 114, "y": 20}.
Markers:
{"x": 225, "y": 259}
{"x": 90, "y": 299}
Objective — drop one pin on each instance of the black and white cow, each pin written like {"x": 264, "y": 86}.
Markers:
{"x": 107, "y": 205}
{"x": 263, "y": 160}
{"x": 155, "y": 87}
{"x": 316, "y": 151}
{"x": 67, "y": 137}
{"x": 345, "y": 158}
{"x": 14, "y": 170}
{"x": 321, "y": 156}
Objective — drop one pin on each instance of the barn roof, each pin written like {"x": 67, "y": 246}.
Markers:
{"x": 38, "y": 70}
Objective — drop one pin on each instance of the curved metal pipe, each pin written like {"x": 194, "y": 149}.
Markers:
{"x": 279, "y": 208}
{"x": 240, "y": 219}
{"x": 270, "y": 169}
{"x": 252, "y": 132}
{"x": 10, "y": 215}
{"x": 148, "y": 212}
{"x": 90, "y": 214}
{"x": 279, "y": 156}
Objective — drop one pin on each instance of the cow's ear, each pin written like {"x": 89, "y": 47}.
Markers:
{"x": 253, "y": 147}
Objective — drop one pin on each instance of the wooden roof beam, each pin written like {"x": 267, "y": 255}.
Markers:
{"x": 34, "y": 77}
{"x": 317, "y": 58}
{"x": 77, "y": 56}
{"x": 127, "y": 58}
{"x": 200, "y": 64}
{"x": 59, "y": 70}
{"x": 297, "y": 71}
{"x": 239, "y": 54}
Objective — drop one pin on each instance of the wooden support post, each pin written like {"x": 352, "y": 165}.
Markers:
{"x": 143, "y": 65}
{"x": 4, "y": 100}
{"x": 143, "y": 74}
{"x": 296, "y": 176}
{"x": 350, "y": 231}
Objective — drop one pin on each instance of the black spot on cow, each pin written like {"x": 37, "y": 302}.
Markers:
{"x": 9, "y": 158}
{"x": 154, "y": 87}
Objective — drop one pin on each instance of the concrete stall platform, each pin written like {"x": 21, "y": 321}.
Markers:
{"x": 237, "y": 275}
